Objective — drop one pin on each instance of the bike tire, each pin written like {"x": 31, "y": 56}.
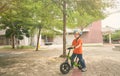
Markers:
{"x": 65, "y": 68}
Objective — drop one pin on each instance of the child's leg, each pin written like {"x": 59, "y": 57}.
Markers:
{"x": 72, "y": 59}
{"x": 81, "y": 60}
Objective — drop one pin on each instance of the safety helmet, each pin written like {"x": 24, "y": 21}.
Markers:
{"x": 77, "y": 32}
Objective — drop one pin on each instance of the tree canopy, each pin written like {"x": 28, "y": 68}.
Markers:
{"x": 23, "y": 17}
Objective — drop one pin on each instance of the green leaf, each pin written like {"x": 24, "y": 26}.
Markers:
{"x": 20, "y": 37}
{"x": 8, "y": 33}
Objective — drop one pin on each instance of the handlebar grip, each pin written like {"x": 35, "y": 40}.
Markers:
{"x": 69, "y": 48}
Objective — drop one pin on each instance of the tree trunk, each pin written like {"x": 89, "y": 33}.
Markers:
{"x": 38, "y": 39}
{"x": 31, "y": 41}
{"x": 64, "y": 28}
{"x": 13, "y": 42}
{"x": 110, "y": 40}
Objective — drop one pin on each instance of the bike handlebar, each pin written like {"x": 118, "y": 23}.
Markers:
{"x": 69, "y": 48}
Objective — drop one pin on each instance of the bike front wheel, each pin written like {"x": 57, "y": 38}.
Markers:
{"x": 64, "y": 68}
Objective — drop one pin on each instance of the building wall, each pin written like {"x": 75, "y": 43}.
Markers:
{"x": 4, "y": 40}
{"x": 25, "y": 41}
{"x": 59, "y": 39}
{"x": 93, "y": 36}
{"x": 31, "y": 41}
{"x": 95, "y": 33}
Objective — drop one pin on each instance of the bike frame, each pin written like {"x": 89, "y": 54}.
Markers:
{"x": 69, "y": 58}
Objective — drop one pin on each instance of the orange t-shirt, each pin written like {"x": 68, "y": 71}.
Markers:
{"x": 76, "y": 43}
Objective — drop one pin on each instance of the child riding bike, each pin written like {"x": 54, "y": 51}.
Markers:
{"x": 77, "y": 52}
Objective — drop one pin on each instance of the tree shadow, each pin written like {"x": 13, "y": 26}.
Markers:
{"x": 3, "y": 73}
{"x": 6, "y": 62}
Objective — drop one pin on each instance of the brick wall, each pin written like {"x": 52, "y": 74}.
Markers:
{"x": 94, "y": 35}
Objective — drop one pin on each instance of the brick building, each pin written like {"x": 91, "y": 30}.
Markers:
{"x": 91, "y": 35}
{"x": 94, "y": 35}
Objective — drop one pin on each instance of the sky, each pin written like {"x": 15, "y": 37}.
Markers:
{"x": 113, "y": 20}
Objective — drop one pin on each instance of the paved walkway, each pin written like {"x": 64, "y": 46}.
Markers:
{"x": 100, "y": 61}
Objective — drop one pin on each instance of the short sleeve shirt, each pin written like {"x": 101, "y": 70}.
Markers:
{"x": 75, "y": 43}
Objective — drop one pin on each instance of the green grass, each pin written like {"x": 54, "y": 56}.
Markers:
{"x": 5, "y": 47}
{"x": 25, "y": 47}
{"x": 20, "y": 47}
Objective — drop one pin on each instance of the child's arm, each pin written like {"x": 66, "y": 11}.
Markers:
{"x": 78, "y": 46}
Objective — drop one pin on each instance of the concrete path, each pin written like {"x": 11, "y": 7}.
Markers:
{"x": 100, "y": 61}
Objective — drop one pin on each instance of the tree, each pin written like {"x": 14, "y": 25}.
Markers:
{"x": 31, "y": 14}
{"x": 81, "y": 13}
{"x": 62, "y": 4}
{"x": 89, "y": 11}
{"x": 111, "y": 36}
{"x": 13, "y": 23}
{"x": 43, "y": 16}
{"x": 116, "y": 35}
{"x": 5, "y": 5}
{"x": 64, "y": 28}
